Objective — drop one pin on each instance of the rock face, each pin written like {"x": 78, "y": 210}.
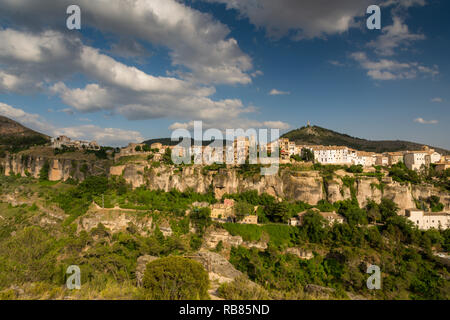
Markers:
{"x": 115, "y": 220}
{"x": 218, "y": 265}
{"x": 214, "y": 236}
{"x": 366, "y": 189}
{"x": 307, "y": 186}
{"x": 59, "y": 168}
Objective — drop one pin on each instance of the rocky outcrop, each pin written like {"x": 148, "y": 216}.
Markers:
{"x": 218, "y": 265}
{"x": 60, "y": 168}
{"x": 115, "y": 220}
{"x": 307, "y": 186}
{"x": 368, "y": 189}
{"x": 215, "y": 236}
{"x": 141, "y": 265}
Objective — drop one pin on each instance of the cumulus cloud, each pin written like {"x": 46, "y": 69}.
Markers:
{"x": 275, "y": 92}
{"x": 304, "y": 18}
{"x": 117, "y": 88}
{"x": 385, "y": 69}
{"x": 394, "y": 36}
{"x": 104, "y": 136}
{"x": 195, "y": 40}
{"x": 423, "y": 121}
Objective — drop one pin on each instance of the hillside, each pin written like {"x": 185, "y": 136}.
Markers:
{"x": 322, "y": 136}
{"x": 15, "y": 137}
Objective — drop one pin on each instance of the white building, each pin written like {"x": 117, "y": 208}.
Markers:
{"x": 414, "y": 160}
{"x": 366, "y": 159}
{"x": 427, "y": 220}
{"x": 382, "y": 159}
{"x": 330, "y": 154}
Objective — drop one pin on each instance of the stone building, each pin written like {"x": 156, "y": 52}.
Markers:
{"x": 331, "y": 217}
{"x": 251, "y": 219}
{"x": 223, "y": 211}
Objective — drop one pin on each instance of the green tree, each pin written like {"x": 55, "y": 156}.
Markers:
{"x": 167, "y": 157}
{"x": 373, "y": 211}
{"x": 201, "y": 218}
{"x": 314, "y": 226}
{"x": 355, "y": 169}
{"x": 146, "y": 148}
{"x": 43, "y": 173}
{"x": 242, "y": 209}
{"x": 176, "y": 278}
{"x": 388, "y": 209}
{"x": 307, "y": 155}
{"x": 277, "y": 212}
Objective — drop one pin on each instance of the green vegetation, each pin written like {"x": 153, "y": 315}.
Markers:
{"x": 405, "y": 251}
{"x": 35, "y": 252}
{"x": 248, "y": 232}
{"x": 400, "y": 173}
{"x": 435, "y": 204}
{"x": 16, "y": 144}
{"x": 43, "y": 173}
{"x": 355, "y": 169}
{"x": 176, "y": 278}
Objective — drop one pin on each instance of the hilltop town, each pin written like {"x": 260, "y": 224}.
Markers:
{"x": 325, "y": 205}
{"x": 289, "y": 152}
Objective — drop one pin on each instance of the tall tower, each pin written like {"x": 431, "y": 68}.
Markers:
{"x": 308, "y": 124}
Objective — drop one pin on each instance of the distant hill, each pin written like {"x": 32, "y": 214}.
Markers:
{"x": 320, "y": 136}
{"x": 15, "y": 137}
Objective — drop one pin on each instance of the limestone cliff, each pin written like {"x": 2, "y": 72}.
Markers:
{"x": 61, "y": 167}
{"x": 307, "y": 186}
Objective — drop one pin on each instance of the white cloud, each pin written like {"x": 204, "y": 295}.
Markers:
{"x": 394, "y": 36}
{"x": 336, "y": 63}
{"x": 257, "y": 73}
{"x": 385, "y": 69}
{"x": 423, "y": 121}
{"x": 437, "y": 100}
{"x": 275, "y": 92}
{"x": 104, "y": 136}
{"x": 14, "y": 83}
{"x": 194, "y": 39}
{"x": 118, "y": 88}
{"x": 276, "y": 125}
{"x": 305, "y": 18}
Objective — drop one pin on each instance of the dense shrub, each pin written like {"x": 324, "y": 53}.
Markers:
{"x": 176, "y": 278}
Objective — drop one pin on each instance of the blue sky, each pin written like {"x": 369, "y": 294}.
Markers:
{"x": 140, "y": 69}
